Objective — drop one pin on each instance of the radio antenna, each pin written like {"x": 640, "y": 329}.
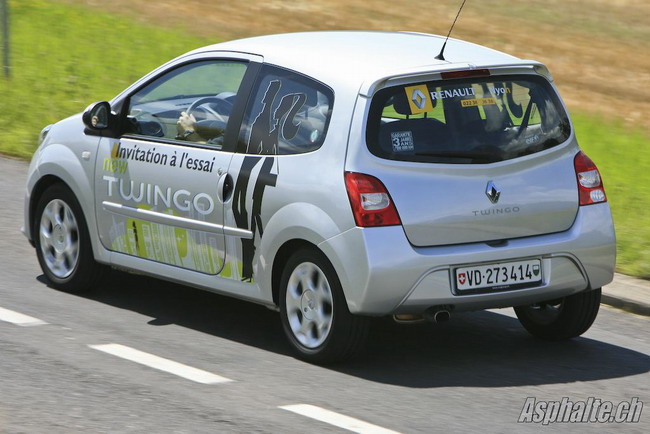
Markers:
{"x": 441, "y": 56}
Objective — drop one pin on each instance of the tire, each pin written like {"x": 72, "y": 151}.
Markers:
{"x": 563, "y": 318}
{"x": 317, "y": 321}
{"x": 62, "y": 242}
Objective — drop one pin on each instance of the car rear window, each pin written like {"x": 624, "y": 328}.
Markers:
{"x": 466, "y": 121}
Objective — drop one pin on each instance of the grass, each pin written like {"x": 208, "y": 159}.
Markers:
{"x": 66, "y": 56}
{"x": 623, "y": 158}
{"x": 598, "y": 53}
{"x": 604, "y": 18}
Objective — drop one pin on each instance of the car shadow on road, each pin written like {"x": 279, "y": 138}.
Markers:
{"x": 486, "y": 349}
{"x": 478, "y": 349}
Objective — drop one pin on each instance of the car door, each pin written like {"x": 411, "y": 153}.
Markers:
{"x": 159, "y": 185}
{"x": 285, "y": 120}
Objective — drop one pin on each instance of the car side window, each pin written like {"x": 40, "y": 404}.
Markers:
{"x": 190, "y": 103}
{"x": 287, "y": 113}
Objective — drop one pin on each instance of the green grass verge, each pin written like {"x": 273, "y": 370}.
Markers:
{"x": 65, "y": 57}
{"x": 623, "y": 158}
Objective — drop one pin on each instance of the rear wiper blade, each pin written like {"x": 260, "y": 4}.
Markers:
{"x": 483, "y": 156}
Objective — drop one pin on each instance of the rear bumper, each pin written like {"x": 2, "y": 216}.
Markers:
{"x": 382, "y": 273}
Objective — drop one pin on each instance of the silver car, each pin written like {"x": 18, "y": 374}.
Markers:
{"x": 333, "y": 176}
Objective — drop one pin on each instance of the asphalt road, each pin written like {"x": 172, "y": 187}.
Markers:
{"x": 471, "y": 374}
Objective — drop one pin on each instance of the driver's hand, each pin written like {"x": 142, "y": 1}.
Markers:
{"x": 185, "y": 123}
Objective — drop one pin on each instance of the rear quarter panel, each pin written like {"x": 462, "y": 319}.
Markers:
{"x": 309, "y": 201}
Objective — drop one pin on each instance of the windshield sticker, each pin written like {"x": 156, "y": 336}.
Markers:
{"x": 402, "y": 141}
{"x": 468, "y": 91}
{"x": 268, "y": 124}
{"x": 452, "y": 93}
{"x": 477, "y": 102}
{"x": 531, "y": 140}
{"x": 418, "y": 100}
{"x": 516, "y": 109}
{"x": 499, "y": 91}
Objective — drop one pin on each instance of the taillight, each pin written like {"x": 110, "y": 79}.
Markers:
{"x": 590, "y": 185}
{"x": 370, "y": 201}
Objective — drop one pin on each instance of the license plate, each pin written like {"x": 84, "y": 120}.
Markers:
{"x": 498, "y": 277}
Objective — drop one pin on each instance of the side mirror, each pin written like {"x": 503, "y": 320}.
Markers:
{"x": 97, "y": 116}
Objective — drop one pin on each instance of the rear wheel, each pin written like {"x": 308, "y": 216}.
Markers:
{"x": 563, "y": 318}
{"x": 63, "y": 243}
{"x": 314, "y": 313}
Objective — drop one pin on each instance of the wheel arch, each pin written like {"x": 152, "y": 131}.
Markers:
{"x": 41, "y": 185}
{"x": 295, "y": 225}
{"x": 280, "y": 260}
{"x": 59, "y": 164}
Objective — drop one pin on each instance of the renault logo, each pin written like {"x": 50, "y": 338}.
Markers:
{"x": 419, "y": 99}
{"x": 492, "y": 192}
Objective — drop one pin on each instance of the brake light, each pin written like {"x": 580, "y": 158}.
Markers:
{"x": 590, "y": 185}
{"x": 370, "y": 201}
{"x": 465, "y": 73}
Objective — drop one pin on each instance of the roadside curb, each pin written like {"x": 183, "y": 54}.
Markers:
{"x": 629, "y": 294}
{"x": 627, "y": 305}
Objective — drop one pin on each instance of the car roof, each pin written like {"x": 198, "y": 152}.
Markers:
{"x": 356, "y": 57}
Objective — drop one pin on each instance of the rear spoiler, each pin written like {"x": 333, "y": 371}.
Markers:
{"x": 432, "y": 73}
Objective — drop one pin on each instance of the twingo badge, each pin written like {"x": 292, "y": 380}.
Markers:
{"x": 418, "y": 99}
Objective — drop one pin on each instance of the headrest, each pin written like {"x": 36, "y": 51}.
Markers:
{"x": 401, "y": 104}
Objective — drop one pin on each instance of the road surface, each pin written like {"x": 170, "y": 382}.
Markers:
{"x": 142, "y": 355}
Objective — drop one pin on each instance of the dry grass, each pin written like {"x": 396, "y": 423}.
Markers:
{"x": 598, "y": 50}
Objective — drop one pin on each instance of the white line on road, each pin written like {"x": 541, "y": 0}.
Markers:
{"x": 19, "y": 319}
{"x": 161, "y": 364}
{"x": 339, "y": 420}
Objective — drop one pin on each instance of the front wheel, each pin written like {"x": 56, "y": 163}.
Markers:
{"x": 315, "y": 315}
{"x": 563, "y": 318}
{"x": 63, "y": 243}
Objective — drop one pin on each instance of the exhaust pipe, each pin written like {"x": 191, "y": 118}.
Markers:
{"x": 408, "y": 318}
{"x": 437, "y": 314}
{"x": 441, "y": 316}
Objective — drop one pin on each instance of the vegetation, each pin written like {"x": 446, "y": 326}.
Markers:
{"x": 623, "y": 158}
{"x": 65, "y": 55}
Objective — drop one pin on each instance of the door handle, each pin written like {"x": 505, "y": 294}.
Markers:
{"x": 228, "y": 186}
{"x": 225, "y": 187}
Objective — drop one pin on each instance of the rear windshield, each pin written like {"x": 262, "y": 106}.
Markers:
{"x": 468, "y": 121}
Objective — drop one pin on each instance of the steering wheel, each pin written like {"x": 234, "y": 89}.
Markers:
{"x": 216, "y": 106}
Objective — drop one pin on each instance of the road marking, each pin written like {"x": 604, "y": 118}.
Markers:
{"x": 161, "y": 364}
{"x": 19, "y": 319}
{"x": 339, "y": 420}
